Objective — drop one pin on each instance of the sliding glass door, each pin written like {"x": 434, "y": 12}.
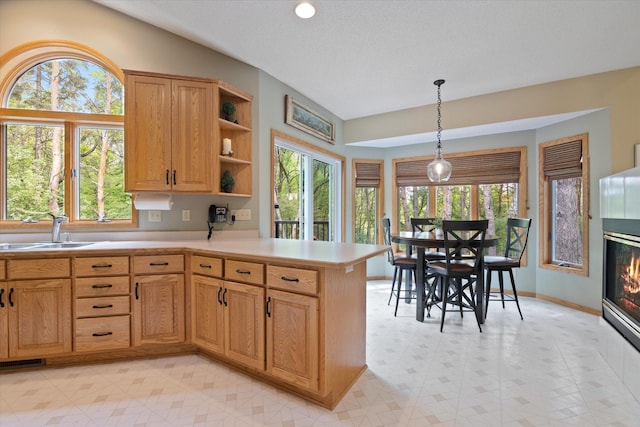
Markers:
{"x": 306, "y": 193}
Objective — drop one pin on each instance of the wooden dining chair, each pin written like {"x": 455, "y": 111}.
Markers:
{"x": 461, "y": 268}
{"x": 517, "y": 236}
{"x": 427, "y": 224}
{"x": 401, "y": 264}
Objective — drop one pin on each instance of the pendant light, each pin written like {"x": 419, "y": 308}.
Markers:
{"x": 439, "y": 170}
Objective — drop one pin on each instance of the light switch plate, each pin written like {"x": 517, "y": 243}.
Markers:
{"x": 155, "y": 216}
{"x": 243, "y": 215}
{"x": 186, "y": 215}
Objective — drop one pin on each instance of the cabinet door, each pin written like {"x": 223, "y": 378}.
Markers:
{"x": 4, "y": 321}
{"x": 244, "y": 323}
{"x": 192, "y": 136}
{"x": 207, "y": 314}
{"x": 292, "y": 338}
{"x": 158, "y": 309}
{"x": 148, "y": 132}
{"x": 39, "y": 317}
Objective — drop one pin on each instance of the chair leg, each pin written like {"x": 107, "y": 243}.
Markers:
{"x": 393, "y": 284}
{"x": 515, "y": 294}
{"x": 487, "y": 292}
{"x": 501, "y": 281}
{"x": 472, "y": 303}
{"x": 445, "y": 292}
{"x": 399, "y": 291}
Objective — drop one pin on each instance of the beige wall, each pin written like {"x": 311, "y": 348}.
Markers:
{"x": 617, "y": 90}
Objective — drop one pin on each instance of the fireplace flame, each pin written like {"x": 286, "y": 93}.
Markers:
{"x": 634, "y": 267}
{"x": 632, "y": 276}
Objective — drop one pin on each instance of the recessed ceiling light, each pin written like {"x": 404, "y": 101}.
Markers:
{"x": 305, "y": 10}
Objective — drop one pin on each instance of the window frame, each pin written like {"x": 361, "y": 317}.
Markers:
{"x": 16, "y": 62}
{"x": 379, "y": 197}
{"x": 545, "y": 197}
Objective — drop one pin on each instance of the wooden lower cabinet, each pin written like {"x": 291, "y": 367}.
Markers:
{"x": 207, "y": 313}
{"x": 38, "y": 317}
{"x": 292, "y": 338}
{"x": 244, "y": 323}
{"x": 228, "y": 319}
{"x": 158, "y": 309}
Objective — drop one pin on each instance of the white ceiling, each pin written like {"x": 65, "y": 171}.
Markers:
{"x": 362, "y": 57}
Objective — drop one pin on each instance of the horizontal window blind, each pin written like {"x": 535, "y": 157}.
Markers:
{"x": 477, "y": 168}
{"x": 368, "y": 174}
{"x": 562, "y": 161}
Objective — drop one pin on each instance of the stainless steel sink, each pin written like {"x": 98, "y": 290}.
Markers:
{"x": 15, "y": 246}
{"x": 62, "y": 245}
{"x": 33, "y": 246}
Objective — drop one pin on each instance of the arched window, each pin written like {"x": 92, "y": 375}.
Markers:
{"x": 63, "y": 143}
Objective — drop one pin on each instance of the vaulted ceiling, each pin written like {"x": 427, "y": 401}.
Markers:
{"x": 362, "y": 57}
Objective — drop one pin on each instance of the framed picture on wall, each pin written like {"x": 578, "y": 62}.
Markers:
{"x": 307, "y": 120}
{"x": 637, "y": 157}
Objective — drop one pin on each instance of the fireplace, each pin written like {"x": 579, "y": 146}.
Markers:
{"x": 621, "y": 277}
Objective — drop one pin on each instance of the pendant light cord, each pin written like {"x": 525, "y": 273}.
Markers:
{"x": 439, "y": 147}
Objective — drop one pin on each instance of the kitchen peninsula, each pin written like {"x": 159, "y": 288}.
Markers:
{"x": 291, "y": 313}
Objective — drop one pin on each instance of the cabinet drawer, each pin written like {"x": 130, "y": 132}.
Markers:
{"x": 39, "y": 268}
{"x": 2, "y": 269}
{"x": 101, "y": 266}
{"x": 206, "y": 266}
{"x": 249, "y": 272}
{"x": 105, "y": 306}
{"x": 102, "y": 286}
{"x": 102, "y": 333}
{"x": 292, "y": 279}
{"x": 158, "y": 264}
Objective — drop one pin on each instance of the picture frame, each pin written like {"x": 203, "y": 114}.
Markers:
{"x": 307, "y": 120}
{"x": 637, "y": 155}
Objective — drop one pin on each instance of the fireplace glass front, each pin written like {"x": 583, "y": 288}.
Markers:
{"x": 621, "y": 304}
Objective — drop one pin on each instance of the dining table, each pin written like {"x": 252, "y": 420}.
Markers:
{"x": 421, "y": 240}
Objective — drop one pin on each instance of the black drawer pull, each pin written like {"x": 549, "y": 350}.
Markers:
{"x": 243, "y": 271}
{"x": 289, "y": 279}
{"x": 205, "y": 266}
{"x": 102, "y": 334}
{"x": 158, "y": 264}
{"x": 102, "y": 266}
{"x": 11, "y": 297}
{"x": 101, "y": 286}
{"x": 166, "y": 174}
{"x": 103, "y": 306}
{"x": 1, "y": 294}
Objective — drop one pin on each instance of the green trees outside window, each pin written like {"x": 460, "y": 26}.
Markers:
{"x": 66, "y": 157}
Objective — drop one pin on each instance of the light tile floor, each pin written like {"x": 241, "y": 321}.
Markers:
{"x": 543, "y": 371}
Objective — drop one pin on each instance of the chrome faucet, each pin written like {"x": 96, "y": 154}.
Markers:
{"x": 55, "y": 229}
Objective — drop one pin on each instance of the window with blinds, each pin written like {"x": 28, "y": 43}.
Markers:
{"x": 487, "y": 184}
{"x": 367, "y": 200}
{"x": 480, "y": 167}
{"x": 564, "y": 205}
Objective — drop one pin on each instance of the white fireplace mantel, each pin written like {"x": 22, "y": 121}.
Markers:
{"x": 620, "y": 195}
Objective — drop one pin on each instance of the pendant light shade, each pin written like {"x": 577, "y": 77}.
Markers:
{"x": 439, "y": 170}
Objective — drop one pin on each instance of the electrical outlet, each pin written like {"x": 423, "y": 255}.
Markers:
{"x": 186, "y": 215}
{"x": 155, "y": 216}
{"x": 243, "y": 215}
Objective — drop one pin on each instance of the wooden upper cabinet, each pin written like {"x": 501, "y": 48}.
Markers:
{"x": 169, "y": 133}
{"x": 192, "y": 141}
{"x": 147, "y": 128}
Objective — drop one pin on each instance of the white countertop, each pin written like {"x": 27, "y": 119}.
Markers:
{"x": 312, "y": 253}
